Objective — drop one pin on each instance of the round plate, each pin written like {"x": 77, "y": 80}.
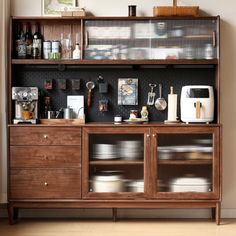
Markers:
{"x": 138, "y": 121}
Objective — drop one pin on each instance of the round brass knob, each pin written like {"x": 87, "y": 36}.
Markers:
{"x": 148, "y": 135}
{"x": 45, "y": 136}
{"x": 154, "y": 135}
{"x": 45, "y": 184}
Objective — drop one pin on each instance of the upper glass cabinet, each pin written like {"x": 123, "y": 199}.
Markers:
{"x": 151, "y": 39}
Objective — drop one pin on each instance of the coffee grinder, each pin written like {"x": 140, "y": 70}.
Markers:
{"x": 26, "y": 104}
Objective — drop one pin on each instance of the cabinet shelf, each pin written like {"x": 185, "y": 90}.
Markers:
{"x": 185, "y": 162}
{"x": 116, "y": 162}
{"x": 114, "y": 62}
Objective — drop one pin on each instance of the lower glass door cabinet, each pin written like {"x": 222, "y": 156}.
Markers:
{"x": 167, "y": 166}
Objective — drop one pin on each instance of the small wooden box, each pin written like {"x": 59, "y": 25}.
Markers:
{"x": 66, "y": 13}
{"x": 175, "y": 10}
{"x": 80, "y": 12}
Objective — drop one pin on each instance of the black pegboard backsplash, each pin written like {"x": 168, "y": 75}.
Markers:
{"x": 176, "y": 76}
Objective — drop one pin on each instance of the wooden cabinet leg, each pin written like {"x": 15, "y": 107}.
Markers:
{"x": 218, "y": 213}
{"x": 213, "y": 213}
{"x": 12, "y": 214}
{"x": 114, "y": 214}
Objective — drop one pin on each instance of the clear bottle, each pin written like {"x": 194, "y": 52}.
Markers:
{"x": 20, "y": 42}
{"x": 144, "y": 113}
{"x": 37, "y": 43}
{"x": 28, "y": 40}
{"x": 76, "y": 52}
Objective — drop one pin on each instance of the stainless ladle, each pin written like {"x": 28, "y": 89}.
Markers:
{"x": 160, "y": 102}
{"x": 90, "y": 86}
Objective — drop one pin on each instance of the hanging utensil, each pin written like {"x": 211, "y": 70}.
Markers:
{"x": 90, "y": 86}
{"x": 151, "y": 95}
{"x": 160, "y": 103}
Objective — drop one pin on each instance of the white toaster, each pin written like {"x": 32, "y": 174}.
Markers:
{"x": 197, "y": 103}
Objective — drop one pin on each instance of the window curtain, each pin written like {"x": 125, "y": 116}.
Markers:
{"x": 4, "y": 57}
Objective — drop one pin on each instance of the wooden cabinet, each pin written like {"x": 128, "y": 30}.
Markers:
{"x": 174, "y": 165}
{"x": 102, "y": 165}
{"x": 152, "y": 159}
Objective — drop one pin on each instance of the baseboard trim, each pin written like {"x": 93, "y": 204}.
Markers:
{"x": 121, "y": 213}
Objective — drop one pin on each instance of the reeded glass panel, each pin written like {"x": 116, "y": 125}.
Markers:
{"x": 185, "y": 162}
{"x": 116, "y": 163}
{"x": 150, "y": 39}
{"x": 184, "y": 39}
{"x": 117, "y": 40}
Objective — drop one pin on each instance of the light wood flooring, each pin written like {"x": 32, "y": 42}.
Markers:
{"x": 74, "y": 227}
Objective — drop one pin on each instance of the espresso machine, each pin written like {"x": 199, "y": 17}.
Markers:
{"x": 26, "y": 104}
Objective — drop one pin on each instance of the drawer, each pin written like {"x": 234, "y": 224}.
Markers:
{"x": 45, "y": 183}
{"x": 45, "y": 135}
{"x": 45, "y": 156}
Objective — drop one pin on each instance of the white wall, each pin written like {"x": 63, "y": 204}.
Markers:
{"x": 226, "y": 9}
{"x": 4, "y": 23}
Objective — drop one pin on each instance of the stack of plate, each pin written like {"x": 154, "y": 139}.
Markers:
{"x": 104, "y": 151}
{"x": 130, "y": 149}
{"x": 190, "y": 184}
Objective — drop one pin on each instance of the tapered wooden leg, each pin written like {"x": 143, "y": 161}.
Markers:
{"x": 218, "y": 213}
{"x": 12, "y": 214}
{"x": 114, "y": 214}
{"x": 213, "y": 213}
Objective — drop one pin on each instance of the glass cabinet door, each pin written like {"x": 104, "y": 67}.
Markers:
{"x": 115, "y": 160}
{"x": 187, "y": 163}
{"x": 117, "y": 40}
{"x": 145, "y": 39}
{"x": 184, "y": 39}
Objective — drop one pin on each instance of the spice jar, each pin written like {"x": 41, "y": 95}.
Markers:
{"x": 144, "y": 113}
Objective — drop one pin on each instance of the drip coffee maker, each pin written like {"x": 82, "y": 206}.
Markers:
{"x": 26, "y": 104}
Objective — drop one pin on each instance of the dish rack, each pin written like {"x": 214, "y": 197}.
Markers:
{"x": 175, "y": 10}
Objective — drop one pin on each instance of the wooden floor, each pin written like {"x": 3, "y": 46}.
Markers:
{"x": 73, "y": 227}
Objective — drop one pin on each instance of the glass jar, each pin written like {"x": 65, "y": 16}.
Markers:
{"x": 133, "y": 114}
{"x": 209, "y": 51}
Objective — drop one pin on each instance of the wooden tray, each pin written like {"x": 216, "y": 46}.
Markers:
{"x": 62, "y": 121}
{"x": 175, "y": 10}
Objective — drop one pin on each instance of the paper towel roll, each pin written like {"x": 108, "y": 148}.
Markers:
{"x": 172, "y": 107}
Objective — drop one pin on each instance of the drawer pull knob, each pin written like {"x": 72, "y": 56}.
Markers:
{"x": 154, "y": 135}
{"x": 45, "y": 136}
{"x": 45, "y": 157}
{"x": 148, "y": 135}
{"x": 45, "y": 184}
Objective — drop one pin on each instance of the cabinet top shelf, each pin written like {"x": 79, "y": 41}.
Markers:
{"x": 115, "y": 18}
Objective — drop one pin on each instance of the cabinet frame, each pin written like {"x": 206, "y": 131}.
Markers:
{"x": 85, "y": 160}
{"x": 216, "y": 162}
